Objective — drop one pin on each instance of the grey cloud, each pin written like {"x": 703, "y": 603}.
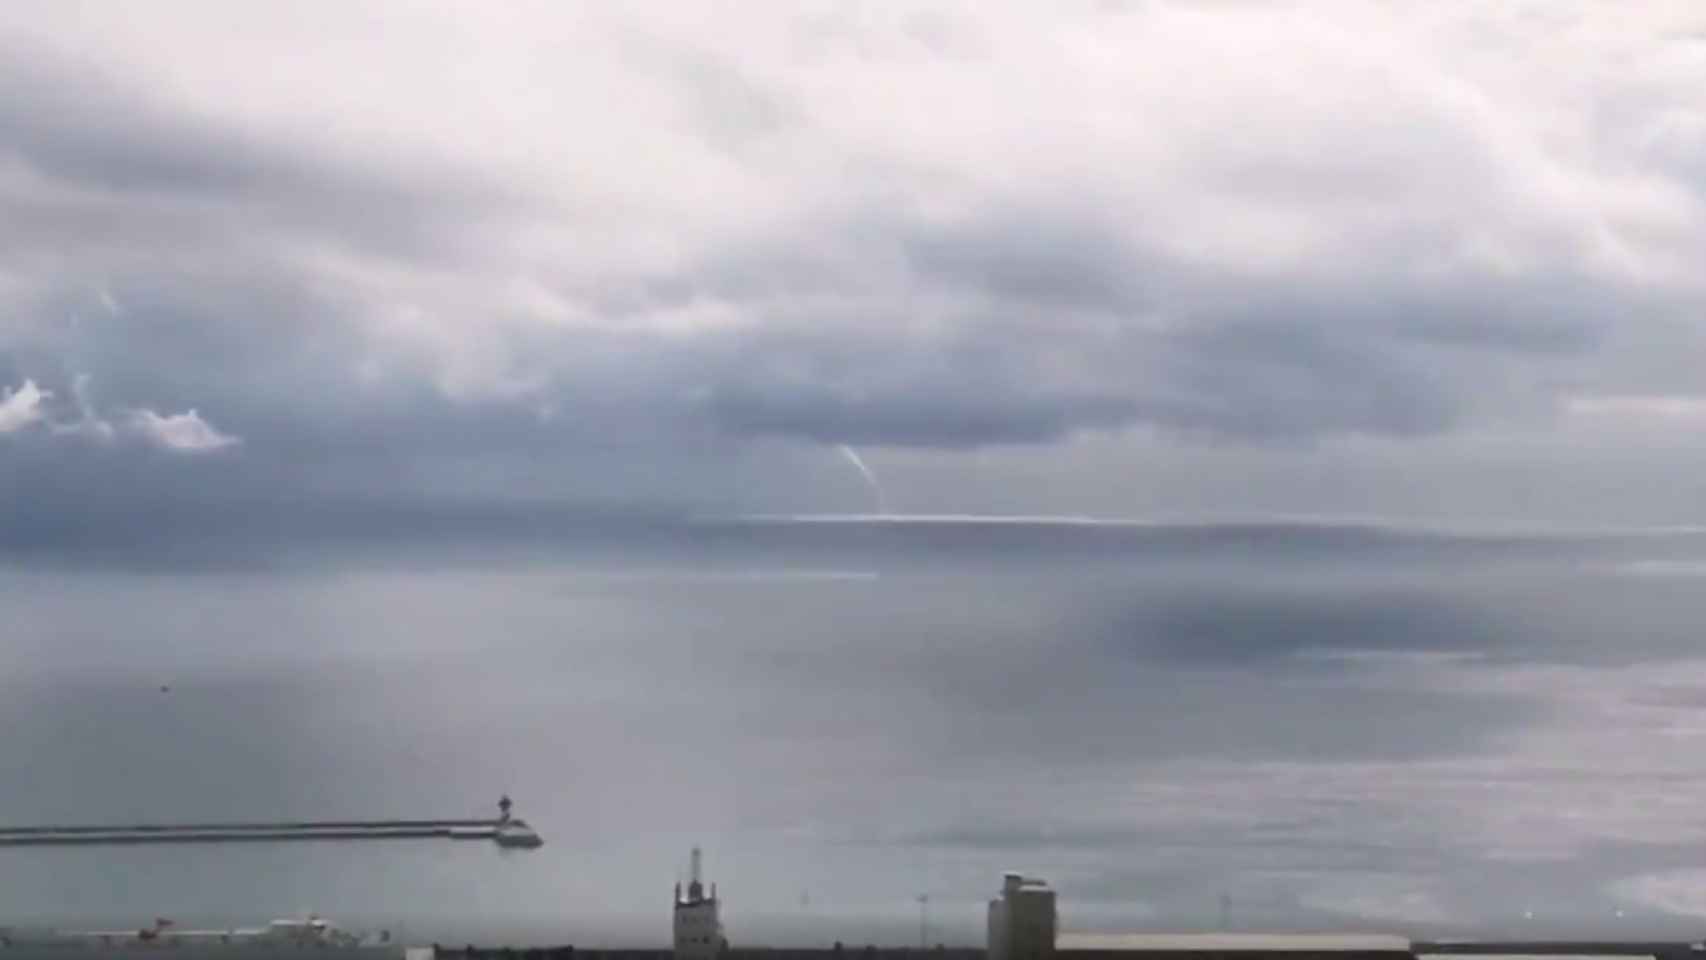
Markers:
{"x": 1042, "y": 256}
{"x": 186, "y": 309}
{"x": 729, "y": 108}
{"x": 149, "y": 173}
{"x": 1034, "y": 292}
{"x": 924, "y": 412}
{"x": 1262, "y": 379}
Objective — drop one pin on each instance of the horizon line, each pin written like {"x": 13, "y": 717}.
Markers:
{"x": 1345, "y": 521}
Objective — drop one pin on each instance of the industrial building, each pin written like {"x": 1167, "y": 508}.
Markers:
{"x": 698, "y": 925}
{"x": 1227, "y": 946}
{"x": 1022, "y": 920}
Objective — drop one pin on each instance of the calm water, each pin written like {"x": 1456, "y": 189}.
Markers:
{"x": 1332, "y": 728}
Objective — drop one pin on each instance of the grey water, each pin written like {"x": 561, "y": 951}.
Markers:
{"x": 1332, "y": 728}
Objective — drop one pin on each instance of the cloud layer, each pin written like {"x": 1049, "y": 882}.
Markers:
{"x": 935, "y": 227}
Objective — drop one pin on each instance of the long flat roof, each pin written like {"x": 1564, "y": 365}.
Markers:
{"x": 1536, "y": 956}
{"x": 1231, "y": 942}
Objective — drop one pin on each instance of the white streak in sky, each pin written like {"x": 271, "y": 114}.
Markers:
{"x": 870, "y": 478}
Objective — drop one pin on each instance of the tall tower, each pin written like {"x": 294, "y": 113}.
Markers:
{"x": 698, "y": 925}
{"x": 1022, "y": 920}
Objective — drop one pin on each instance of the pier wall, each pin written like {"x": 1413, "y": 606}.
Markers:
{"x": 894, "y": 953}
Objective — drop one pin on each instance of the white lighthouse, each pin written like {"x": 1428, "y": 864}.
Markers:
{"x": 698, "y": 928}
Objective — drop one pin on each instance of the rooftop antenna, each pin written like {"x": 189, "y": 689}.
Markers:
{"x": 1225, "y": 912}
{"x": 923, "y": 921}
{"x": 695, "y": 889}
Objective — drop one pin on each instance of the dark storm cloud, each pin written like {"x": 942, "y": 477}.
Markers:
{"x": 70, "y": 126}
{"x": 1261, "y": 379}
{"x": 184, "y": 294}
{"x": 144, "y": 172}
{"x": 1147, "y": 338}
{"x": 921, "y": 412}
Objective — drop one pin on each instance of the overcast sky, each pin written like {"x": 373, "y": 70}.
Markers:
{"x": 404, "y": 268}
{"x": 1429, "y": 261}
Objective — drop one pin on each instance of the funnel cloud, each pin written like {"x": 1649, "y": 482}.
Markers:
{"x": 852, "y": 456}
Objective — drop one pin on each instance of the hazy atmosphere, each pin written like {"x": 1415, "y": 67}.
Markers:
{"x": 1183, "y": 450}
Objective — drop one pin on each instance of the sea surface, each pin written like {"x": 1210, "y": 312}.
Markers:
{"x": 1187, "y": 726}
